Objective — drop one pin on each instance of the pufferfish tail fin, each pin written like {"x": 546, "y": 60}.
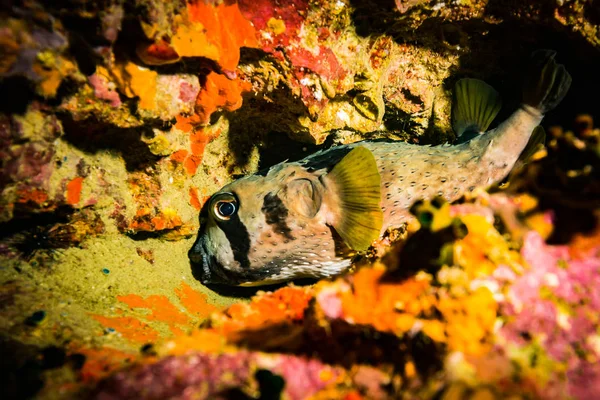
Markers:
{"x": 546, "y": 83}
{"x": 474, "y": 107}
{"x": 358, "y": 184}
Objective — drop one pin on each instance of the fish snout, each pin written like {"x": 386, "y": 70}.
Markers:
{"x": 200, "y": 262}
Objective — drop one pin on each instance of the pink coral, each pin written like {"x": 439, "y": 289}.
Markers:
{"x": 556, "y": 301}
{"x": 103, "y": 90}
{"x": 209, "y": 376}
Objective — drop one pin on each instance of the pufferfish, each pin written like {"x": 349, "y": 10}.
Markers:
{"x": 311, "y": 217}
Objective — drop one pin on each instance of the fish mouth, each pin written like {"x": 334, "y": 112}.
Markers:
{"x": 200, "y": 261}
{"x": 205, "y": 267}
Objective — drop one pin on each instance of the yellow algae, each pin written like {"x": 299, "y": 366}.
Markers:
{"x": 277, "y": 26}
{"x": 190, "y": 41}
{"x": 52, "y": 70}
{"x": 470, "y": 321}
{"x": 134, "y": 80}
{"x": 483, "y": 248}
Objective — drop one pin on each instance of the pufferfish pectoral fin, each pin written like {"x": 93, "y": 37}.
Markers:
{"x": 358, "y": 184}
{"x": 475, "y": 105}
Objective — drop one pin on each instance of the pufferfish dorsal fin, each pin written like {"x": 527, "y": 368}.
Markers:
{"x": 359, "y": 189}
{"x": 475, "y": 106}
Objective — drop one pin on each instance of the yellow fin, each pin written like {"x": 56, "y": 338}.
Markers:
{"x": 359, "y": 189}
{"x": 535, "y": 144}
{"x": 475, "y": 106}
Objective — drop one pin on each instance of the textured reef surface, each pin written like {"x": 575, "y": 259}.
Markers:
{"x": 118, "y": 119}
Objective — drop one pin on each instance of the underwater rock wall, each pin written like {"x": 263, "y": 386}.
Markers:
{"x": 118, "y": 120}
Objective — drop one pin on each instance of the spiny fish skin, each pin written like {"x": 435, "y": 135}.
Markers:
{"x": 280, "y": 224}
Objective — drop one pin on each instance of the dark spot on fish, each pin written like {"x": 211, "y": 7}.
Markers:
{"x": 400, "y": 178}
{"x": 412, "y": 171}
{"x": 425, "y": 187}
{"x": 399, "y": 190}
{"x": 388, "y": 196}
{"x": 443, "y": 180}
{"x": 276, "y": 214}
{"x": 413, "y": 184}
{"x": 471, "y": 188}
{"x": 387, "y": 185}
{"x": 463, "y": 179}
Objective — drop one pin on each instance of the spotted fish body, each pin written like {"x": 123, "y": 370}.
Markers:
{"x": 412, "y": 172}
{"x": 308, "y": 218}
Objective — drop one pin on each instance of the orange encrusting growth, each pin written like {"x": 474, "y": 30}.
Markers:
{"x": 130, "y": 328}
{"x": 179, "y": 155}
{"x": 220, "y": 92}
{"x": 137, "y": 329}
{"x": 389, "y": 307}
{"x": 195, "y": 302}
{"x": 161, "y": 308}
{"x": 205, "y": 340}
{"x": 287, "y": 304}
{"x": 199, "y": 137}
{"x": 74, "y": 190}
{"x": 215, "y": 32}
{"x": 36, "y": 196}
{"x": 464, "y": 322}
{"x": 194, "y": 199}
{"x": 101, "y": 362}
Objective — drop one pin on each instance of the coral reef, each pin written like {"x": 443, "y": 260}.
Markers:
{"x": 119, "y": 119}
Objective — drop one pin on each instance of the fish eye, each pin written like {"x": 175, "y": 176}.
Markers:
{"x": 224, "y": 206}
